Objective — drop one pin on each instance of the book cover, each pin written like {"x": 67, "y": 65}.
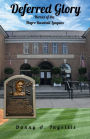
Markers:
{"x": 47, "y": 41}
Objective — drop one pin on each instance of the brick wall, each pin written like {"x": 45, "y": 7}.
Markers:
{"x": 2, "y": 54}
{"x": 11, "y": 51}
{"x": 88, "y": 52}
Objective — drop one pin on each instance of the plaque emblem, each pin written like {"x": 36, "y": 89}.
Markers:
{"x": 19, "y": 97}
{"x": 19, "y": 87}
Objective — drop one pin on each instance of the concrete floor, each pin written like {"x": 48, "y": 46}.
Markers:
{"x": 59, "y": 103}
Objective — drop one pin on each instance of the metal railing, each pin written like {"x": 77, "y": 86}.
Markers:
{"x": 68, "y": 87}
{"x": 72, "y": 86}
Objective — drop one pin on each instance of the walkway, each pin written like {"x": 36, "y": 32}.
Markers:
{"x": 59, "y": 103}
